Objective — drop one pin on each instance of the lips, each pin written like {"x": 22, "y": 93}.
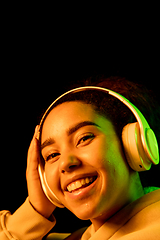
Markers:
{"x": 80, "y": 181}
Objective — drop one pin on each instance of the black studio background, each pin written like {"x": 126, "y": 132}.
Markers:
{"x": 36, "y": 68}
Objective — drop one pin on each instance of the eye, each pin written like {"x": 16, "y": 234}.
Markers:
{"x": 52, "y": 156}
{"x": 86, "y": 139}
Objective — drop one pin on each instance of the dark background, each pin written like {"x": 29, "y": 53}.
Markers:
{"x": 38, "y": 63}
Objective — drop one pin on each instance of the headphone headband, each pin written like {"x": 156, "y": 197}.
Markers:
{"x": 140, "y": 118}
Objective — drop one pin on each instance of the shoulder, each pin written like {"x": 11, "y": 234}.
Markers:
{"x": 146, "y": 218}
{"x": 150, "y": 189}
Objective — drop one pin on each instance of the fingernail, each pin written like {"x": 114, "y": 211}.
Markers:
{"x": 36, "y": 128}
{"x": 36, "y": 132}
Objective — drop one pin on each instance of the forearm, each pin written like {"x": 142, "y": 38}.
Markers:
{"x": 26, "y": 223}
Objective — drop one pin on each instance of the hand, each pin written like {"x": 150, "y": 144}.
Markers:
{"x": 36, "y": 195}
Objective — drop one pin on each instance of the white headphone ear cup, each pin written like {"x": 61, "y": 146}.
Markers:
{"x": 48, "y": 192}
{"x": 134, "y": 151}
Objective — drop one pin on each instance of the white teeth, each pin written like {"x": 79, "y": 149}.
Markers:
{"x": 83, "y": 182}
{"x": 87, "y": 180}
{"x": 79, "y": 183}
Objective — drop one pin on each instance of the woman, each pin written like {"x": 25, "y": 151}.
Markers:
{"x": 81, "y": 150}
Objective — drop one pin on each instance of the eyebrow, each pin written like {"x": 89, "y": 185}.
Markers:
{"x": 70, "y": 131}
{"x": 80, "y": 125}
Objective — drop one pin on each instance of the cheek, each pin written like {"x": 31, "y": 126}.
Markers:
{"x": 109, "y": 159}
{"x": 96, "y": 152}
{"x": 52, "y": 176}
{"x": 114, "y": 173}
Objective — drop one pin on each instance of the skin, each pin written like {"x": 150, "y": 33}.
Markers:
{"x": 89, "y": 150}
{"x": 36, "y": 195}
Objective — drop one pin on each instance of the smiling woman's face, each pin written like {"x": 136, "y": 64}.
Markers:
{"x": 84, "y": 162}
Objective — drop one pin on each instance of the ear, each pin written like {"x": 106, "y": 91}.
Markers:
{"x": 134, "y": 151}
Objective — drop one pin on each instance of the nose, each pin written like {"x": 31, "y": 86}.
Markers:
{"x": 69, "y": 164}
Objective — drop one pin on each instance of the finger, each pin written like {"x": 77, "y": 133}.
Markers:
{"x": 33, "y": 152}
{"x": 36, "y": 133}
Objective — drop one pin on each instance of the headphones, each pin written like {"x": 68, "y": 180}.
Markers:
{"x": 139, "y": 141}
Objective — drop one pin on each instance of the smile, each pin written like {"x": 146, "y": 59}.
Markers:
{"x": 81, "y": 183}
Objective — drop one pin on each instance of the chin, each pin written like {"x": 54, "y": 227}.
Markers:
{"x": 84, "y": 211}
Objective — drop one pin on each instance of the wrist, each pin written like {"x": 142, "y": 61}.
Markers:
{"x": 46, "y": 213}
